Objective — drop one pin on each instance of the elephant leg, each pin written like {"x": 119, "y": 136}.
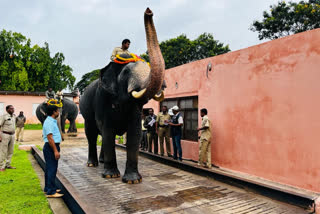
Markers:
{"x": 92, "y": 134}
{"x": 63, "y": 123}
{"x": 72, "y": 127}
{"x": 101, "y": 156}
{"x": 110, "y": 162}
{"x": 132, "y": 175}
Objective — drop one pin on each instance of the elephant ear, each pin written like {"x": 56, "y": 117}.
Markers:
{"x": 102, "y": 71}
{"x": 108, "y": 78}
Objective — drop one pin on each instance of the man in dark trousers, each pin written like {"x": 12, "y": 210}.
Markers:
{"x": 51, "y": 151}
{"x": 176, "y": 132}
{"x": 150, "y": 124}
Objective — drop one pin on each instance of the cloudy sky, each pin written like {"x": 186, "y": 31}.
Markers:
{"x": 86, "y": 31}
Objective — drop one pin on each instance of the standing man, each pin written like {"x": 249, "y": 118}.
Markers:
{"x": 205, "y": 136}
{"x": 150, "y": 124}
{"x": 20, "y": 120}
{"x": 8, "y": 126}
{"x": 121, "y": 50}
{"x": 51, "y": 151}
{"x": 144, "y": 139}
{"x": 163, "y": 130}
{"x": 176, "y": 132}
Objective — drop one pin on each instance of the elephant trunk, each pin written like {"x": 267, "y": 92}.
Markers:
{"x": 155, "y": 56}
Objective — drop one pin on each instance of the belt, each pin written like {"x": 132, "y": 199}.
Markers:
{"x": 162, "y": 126}
{"x": 9, "y": 133}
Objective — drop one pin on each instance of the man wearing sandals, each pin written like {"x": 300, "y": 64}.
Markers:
{"x": 51, "y": 151}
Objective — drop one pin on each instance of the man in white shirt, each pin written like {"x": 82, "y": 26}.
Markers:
{"x": 176, "y": 132}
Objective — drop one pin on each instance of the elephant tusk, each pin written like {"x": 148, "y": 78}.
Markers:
{"x": 159, "y": 98}
{"x": 138, "y": 94}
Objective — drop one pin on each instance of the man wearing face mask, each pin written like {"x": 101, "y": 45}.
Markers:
{"x": 8, "y": 126}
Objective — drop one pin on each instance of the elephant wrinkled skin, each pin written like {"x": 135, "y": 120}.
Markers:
{"x": 112, "y": 105}
{"x": 69, "y": 111}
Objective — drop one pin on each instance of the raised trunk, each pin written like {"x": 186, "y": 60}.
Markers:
{"x": 155, "y": 55}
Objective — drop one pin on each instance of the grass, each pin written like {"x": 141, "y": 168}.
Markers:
{"x": 39, "y": 126}
{"x": 99, "y": 140}
{"x": 20, "y": 190}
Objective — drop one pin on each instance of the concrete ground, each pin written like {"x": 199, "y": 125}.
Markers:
{"x": 164, "y": 189}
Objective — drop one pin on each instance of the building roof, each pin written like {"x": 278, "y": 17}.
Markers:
{"x": 34, "y": 93}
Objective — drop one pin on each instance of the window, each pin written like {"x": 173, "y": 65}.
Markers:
{"x": 189, "y": 111}
{"x": 34, "y": 108}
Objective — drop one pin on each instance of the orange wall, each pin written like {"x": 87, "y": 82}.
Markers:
{"x": 264, "y": 104}
{"x": 22, "y": 103}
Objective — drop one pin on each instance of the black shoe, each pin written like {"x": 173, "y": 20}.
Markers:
{"x": 161, "y": 155}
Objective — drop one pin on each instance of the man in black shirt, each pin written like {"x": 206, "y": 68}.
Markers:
{"x": 150, "y": 125}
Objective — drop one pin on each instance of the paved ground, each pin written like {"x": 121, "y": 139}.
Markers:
{"x": 164, "y": 190}
{"x": 35, "y": 137}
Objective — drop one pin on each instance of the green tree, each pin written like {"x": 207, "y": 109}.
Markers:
{"x": 86, "y": 79}
{"x": 285, "y": 19}
{"x": 26, "y": 68}
{"x": 182, "y": 50}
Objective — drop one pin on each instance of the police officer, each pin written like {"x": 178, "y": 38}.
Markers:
{"x": 205, "y": 136}
{"x": 20, "y": 121}
{"x": 8, "y": 126}
{"x": 163, "y": 130}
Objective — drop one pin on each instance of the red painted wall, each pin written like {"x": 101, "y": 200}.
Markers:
{"x": 264, "y": 104}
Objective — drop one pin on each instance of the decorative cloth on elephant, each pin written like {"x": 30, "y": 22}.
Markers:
{"x": 55, "y": 102}
{"x": 134, "y": 58}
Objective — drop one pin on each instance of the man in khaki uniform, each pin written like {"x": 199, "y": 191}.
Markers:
{"x": 121, "y": 50}
{"x": 8, "y": 126}
{"x": 20, "y": 120}
{"x": 205, "y": 136}
{"x": 163, "y": 130}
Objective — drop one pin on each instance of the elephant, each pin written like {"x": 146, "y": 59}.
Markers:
{"x": 69, "y": 111}
{"x": 112, "y": 105}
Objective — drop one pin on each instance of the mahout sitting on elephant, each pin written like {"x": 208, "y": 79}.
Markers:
{"x": 112, "y": 105}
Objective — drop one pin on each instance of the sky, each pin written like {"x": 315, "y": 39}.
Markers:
{"x": 86, "y": 31}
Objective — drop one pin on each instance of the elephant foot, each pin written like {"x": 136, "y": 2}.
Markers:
{"x": 111, "y": 173}
{"x": 132, "y": 178}
{"x": 92, "y": 163}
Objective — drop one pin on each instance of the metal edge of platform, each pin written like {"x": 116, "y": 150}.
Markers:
{"x": 269, "y": 190}
{"x": 71, "y": 197}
